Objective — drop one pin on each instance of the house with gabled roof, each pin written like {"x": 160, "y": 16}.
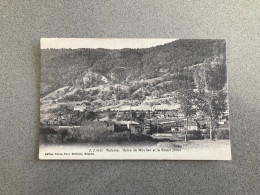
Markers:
{"x": 133, "y": 126}
{"x": 82, "y": 107}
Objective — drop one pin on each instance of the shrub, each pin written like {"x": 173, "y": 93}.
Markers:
{"x": 47, "y": 130}
{"x": 48, "y": 135}
{"x": 194, "y": 135}
{"x": 119, "y": 136}
{"x": 205, "y": 134}
{"x": 51, "y": 135}
{"x": 92, "y": 132}
{"x": 51, "y": 139}
{"x": 140, "y": 137}
{"x": 222, "y": 134}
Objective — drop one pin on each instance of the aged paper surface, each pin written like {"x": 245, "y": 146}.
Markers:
{"x": 135, "y": 99}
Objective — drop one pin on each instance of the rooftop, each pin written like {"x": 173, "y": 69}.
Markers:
{"x": 126, "y": 122}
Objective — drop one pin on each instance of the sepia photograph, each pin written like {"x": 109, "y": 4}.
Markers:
{"x": 134, "y": 99}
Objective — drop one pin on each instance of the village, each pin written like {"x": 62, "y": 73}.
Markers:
{"x": 154, "y": 122}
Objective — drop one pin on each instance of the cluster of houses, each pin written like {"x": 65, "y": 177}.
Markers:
{"x": 158, "y": 121}
{"x": 155, "y": 121}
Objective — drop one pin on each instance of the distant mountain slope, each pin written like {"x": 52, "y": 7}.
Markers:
{"x": 66, "y": 67}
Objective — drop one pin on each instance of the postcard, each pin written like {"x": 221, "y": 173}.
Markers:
{"x": 134, "y": 99}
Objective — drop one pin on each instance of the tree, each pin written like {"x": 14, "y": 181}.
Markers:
{"x": 141, "y": 117}
{"x": 187, "y": 99}
{"x": 90, "y": 115}
{"x": 210, "y": 80}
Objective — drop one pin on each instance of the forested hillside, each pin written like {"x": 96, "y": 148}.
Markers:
{"x": 158, "y": 69}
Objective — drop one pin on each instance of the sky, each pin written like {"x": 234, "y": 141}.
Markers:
{"x": 93, "y": 43}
